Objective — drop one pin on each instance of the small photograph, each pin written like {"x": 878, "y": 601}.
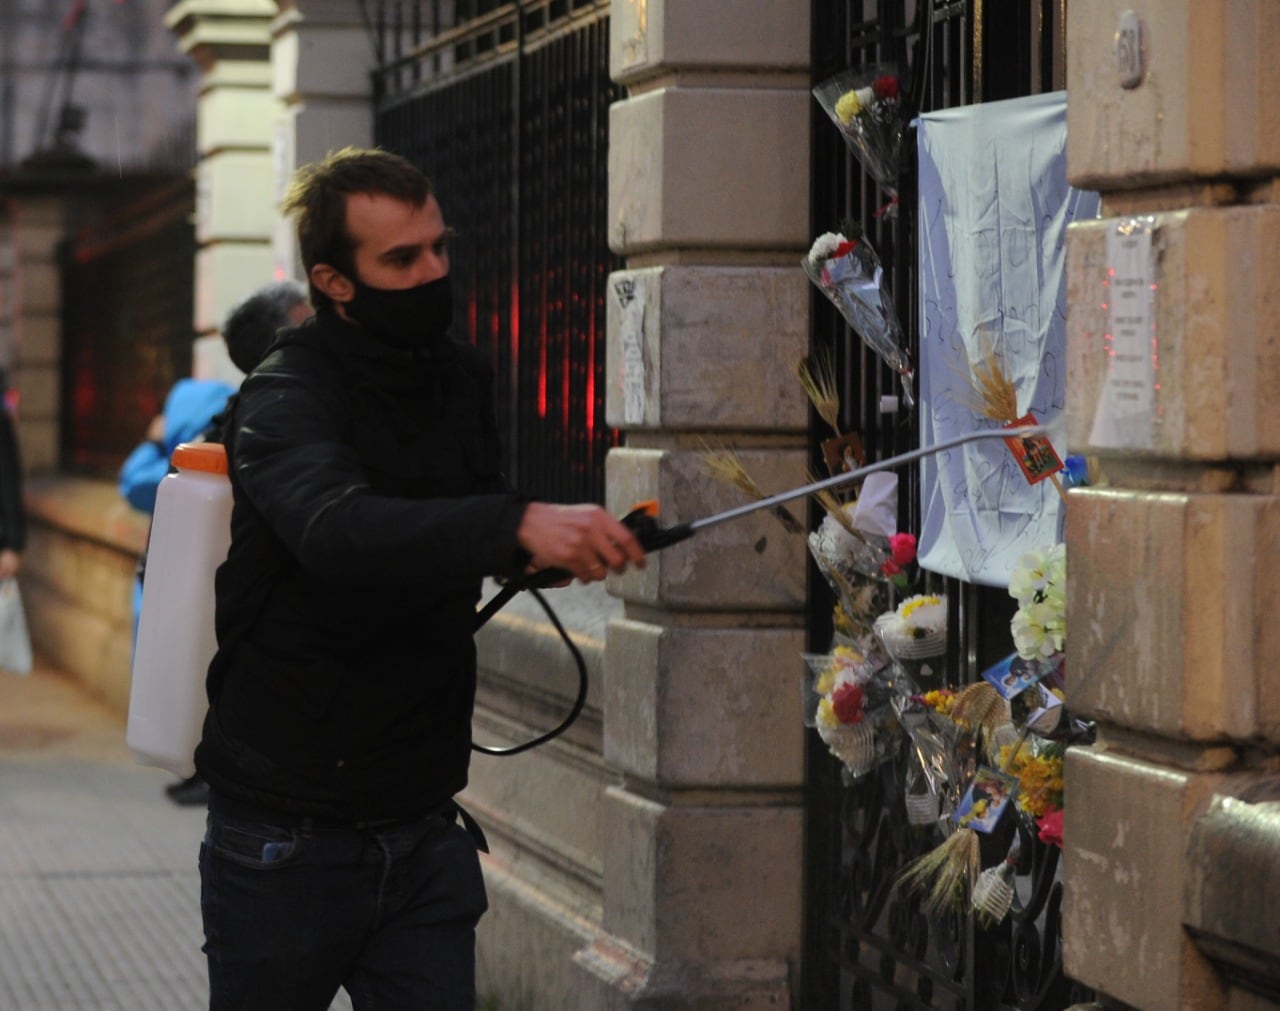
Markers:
{"x": 1035, "y": 454}
{"x": 1014, "y": 674}
{"x": 1040, "y": 711}
{"x": 985, "y": 800}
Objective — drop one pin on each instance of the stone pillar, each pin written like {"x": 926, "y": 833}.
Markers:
{"x": 283, "y": 83}
{"x": 321, "y": 58}
{"x": 236, "y": 118}
{"x": 1173, "y": 595}
{"x": 708, "y": 198}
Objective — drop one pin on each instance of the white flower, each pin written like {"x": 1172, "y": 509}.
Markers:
{"x": 1039, "y": 631}
{"x": 928, "y": 613}
{"x": 824, "y": 245}
{"x": 1036, "y": 571}
{"x": 1029, "y": 577}
{"x": 1039, "y": 583}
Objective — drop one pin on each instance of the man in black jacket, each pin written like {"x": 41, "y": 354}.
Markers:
{"x": 368, "y": 507}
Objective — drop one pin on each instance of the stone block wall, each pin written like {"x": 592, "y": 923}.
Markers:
{"x": 77, "y": 581}
{"x": 708, "y": 200}
{"x": 1173, "y": 597}
{"x": 630, "y": 858}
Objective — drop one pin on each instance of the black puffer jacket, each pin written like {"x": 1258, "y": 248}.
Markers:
{"x": 368, "y": 507}
{"x": 13, "y": 520}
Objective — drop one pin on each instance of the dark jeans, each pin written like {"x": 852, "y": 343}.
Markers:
{"x": 293, "y": 910}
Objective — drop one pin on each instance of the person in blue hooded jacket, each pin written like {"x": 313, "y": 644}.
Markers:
{"x": 188, "y": 409}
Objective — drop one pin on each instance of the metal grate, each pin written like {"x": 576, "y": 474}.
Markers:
{"x": 867, "y": 946}
{"x": 506, "y": 108}
{"x": 127, "y": 311}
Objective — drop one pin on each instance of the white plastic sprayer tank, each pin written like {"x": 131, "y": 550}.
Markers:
{"x": 190, "y": 534}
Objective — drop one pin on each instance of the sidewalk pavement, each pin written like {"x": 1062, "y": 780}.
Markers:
{"x": 99, "y": 889}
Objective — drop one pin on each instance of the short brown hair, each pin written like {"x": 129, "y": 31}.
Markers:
{"x": 317, "y": 200}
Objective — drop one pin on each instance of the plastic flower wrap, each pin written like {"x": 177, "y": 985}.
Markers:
{"x": 1041, "y": 708}
{"x": 867, "y": 107}
{"x": 930, "y": 782}
{"x": 848, "y": 271}
{"x": 856, "y": 553}
{"x": 915, "y": 635}
{"x": 852, "y": 700}
{"x": 853, "y": 549}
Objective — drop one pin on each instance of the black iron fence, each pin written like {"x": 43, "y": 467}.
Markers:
{"x": 127, "y": 316}
{"x": 505, "y": 106}
{"x": 869, "y": 945}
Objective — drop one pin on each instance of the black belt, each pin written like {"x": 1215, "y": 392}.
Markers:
{"x": 451, "y": 810}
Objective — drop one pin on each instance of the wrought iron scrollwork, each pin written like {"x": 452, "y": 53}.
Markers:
{"x": 894, "y": 955}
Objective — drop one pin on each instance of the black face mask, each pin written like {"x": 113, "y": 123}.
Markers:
{"x": 405, "y": 318}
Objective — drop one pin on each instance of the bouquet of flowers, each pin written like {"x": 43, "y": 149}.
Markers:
{"x": 853, "y": 700}
{"x": 933, "y": 769}
{"x": 840, "y": 698}
{"x": 1038, "y": 766}
{"x": 918, "y": 627}
{"x": 915, "y": 635}
{"x": 867, "y": 108}
{"x": 858, "y": 550}
{"x": 1039, "y": 584}
{"x": 847, "y": 270}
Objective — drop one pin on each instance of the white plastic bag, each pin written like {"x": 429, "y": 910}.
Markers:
{"x": 15, "y": 643}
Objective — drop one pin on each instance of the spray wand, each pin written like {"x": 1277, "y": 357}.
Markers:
{"x": 643, "y": 522}
{"x": 642, "y": 519}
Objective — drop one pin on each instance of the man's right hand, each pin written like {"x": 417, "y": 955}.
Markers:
{"x": 584, "y": 540}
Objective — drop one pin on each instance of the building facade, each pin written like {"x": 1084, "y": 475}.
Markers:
{"x": 653, "y": 857}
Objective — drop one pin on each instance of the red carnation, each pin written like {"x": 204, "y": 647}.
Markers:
{"x": 885, "y": 87}
{"x": 1050, "y": 825}
{"x": 846, "y": 702}
{"x": 844, "y": 249}
{"x": 903, "y": 547}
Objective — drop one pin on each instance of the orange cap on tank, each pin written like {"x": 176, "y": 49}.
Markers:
{"x": 210, "y": 457}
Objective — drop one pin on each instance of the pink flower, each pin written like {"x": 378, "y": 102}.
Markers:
{"x": 1050, "y": 825}
{"x": 903, "y": 547}
{"x": 846, "y": 701}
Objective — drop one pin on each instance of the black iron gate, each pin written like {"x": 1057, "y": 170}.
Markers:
{"x": 868, "y": 945}
{"x": 127, "y": 294}
{"x": 505, "y": 105}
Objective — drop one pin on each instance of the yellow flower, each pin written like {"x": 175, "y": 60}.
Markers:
{"x": 848, "y": 654}
{"x": 827, "y": 714}
{"x": 826, "y": 681}
{"x": 940, "y": 700}
{"x": 847, "y": 107}
{"x": 910, "y": 607}
{"x": 1040, "y": 782}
